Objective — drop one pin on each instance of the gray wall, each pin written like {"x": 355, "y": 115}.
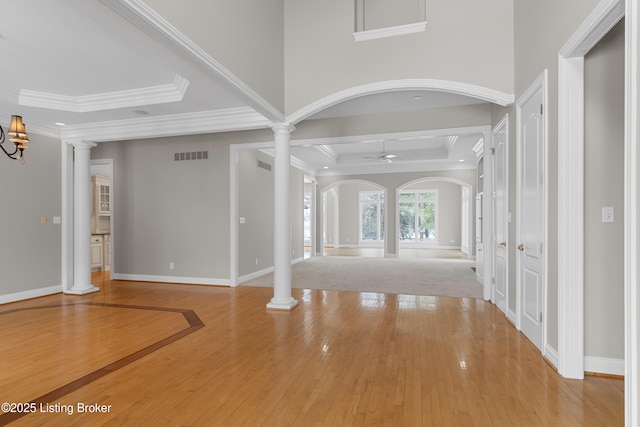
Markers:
{"x": 256, "y": 29}
{"x": 256, "y": 205}
{"x": 321, "y": 56}
{"x": 30, "y": 250}
{"x": 167, "y": 211}
{"x": 604, "y": 186}
{"x": 541, "y": 29}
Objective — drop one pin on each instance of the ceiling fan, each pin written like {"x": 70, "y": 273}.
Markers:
{"x": 383, "y": 156}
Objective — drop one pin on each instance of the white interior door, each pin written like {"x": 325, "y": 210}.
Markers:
{"x": 531, "y": 225}
{"x": 500, "y": 216}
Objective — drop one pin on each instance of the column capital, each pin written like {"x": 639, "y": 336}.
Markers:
{"x": 81, "y": 145}
{"x": 282, "y": 128}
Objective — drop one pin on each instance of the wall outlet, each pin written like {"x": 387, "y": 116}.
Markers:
{"x": 452, "y": 240}
{"x": 256, "y": 261}
{"x": 170, "y": 266}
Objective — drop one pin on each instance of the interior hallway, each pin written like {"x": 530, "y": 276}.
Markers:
{"x": 165, "y": 354}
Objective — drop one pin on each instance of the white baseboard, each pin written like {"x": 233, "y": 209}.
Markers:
{"x": 171, "y": 279}
{"x": 511, "y": 316}
{"x": 604, "y": 365}
{"x": 34, "y": 293}
{"x": 254, "y": 275}
{"x": 551, "y": 354}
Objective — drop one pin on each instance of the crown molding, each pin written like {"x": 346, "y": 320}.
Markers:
{"x": 457, "y": 88}
{"x": 147, "y": 20}
{"x": 232, "y": 119}
{"x": 160, "y": 94}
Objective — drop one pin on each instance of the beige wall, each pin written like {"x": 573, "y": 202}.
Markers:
{"x": 604, "y": 186}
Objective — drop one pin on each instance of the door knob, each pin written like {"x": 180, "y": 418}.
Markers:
{"x": 521, "y": 247}
{"x": 503, "y": 244}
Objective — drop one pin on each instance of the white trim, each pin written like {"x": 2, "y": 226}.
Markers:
{"x": 161, "y": 94}
{"x": 571, "y": 217}
{"x": 604, "y": 365}
{"x": 551, "y": 355}
{"x": 571, "y": 184}
{"x": 605, "y": 15}
{"x": 33, "y": 293}
{"x": 230, "y": 119}
{"x": 466, "y": 89}
{"x": 398, "y": 30}
{"x": 246, "y": 277}
{"x": 234, "y": 229}
{"x": 66, "y": 213}
{"x": 631, "y": 215}
{"x": 171, "y": 279}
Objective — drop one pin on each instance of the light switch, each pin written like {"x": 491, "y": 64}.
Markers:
{"x": 43, "y": 220}
{"x": 607, "y": 214}
{"x": 242, "y": 220}
{"x": 56, "y": 220}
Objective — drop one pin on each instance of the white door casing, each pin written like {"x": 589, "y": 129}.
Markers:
{"x": 531, "y": 212}
{"x": 500, "y": 226}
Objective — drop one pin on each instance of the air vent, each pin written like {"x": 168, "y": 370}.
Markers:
{"x": 264, "y": 165}
{"x": 192, "y": 155}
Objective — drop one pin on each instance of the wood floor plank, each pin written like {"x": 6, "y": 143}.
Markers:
{"x": 338, "y": 359}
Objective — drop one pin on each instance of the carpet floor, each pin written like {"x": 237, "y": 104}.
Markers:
{"x": 429, "y": 277}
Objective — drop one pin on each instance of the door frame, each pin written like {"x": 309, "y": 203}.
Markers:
{"x": 570, "y": 358}
{"x": 502, "y": 124}
{"x": 541, "y": 83}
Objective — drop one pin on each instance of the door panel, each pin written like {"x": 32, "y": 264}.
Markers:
{"x": 500, "y": 215}
{"x": 531, "y": 218}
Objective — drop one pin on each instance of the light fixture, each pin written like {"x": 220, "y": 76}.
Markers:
{"x": 18, "y": 135}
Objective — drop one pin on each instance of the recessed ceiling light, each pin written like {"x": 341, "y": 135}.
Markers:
{"x": 326, "y": 167}
{"x": 416, "y": 97}
{"x": 59, "y": 124}
{"x": 461, "y": 160}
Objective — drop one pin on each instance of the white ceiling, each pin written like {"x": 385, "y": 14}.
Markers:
{"x": 109, "y": 71}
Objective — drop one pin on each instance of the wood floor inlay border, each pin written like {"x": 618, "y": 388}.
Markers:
{"x": 190, "y": 316}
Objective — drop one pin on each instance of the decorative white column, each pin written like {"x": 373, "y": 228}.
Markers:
{"x": 82, "y": 220}
{"x": 282, "y": 299}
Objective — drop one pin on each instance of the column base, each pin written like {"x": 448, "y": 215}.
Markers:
{"x": 76, "y": 291}
{"x": 278, "y": 305}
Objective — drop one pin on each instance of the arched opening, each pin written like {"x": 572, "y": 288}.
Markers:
{"x": 434, "y": 218}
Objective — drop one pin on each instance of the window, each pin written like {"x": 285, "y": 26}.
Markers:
{"x": 418, "y": 216}
{"x": 371, "y": 216}
{"x": 307, "y": 218}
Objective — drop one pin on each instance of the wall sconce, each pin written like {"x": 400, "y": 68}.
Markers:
{"x": 18, "y": 135}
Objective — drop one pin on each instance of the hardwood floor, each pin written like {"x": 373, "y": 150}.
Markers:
{"x": 180, "y": 355}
